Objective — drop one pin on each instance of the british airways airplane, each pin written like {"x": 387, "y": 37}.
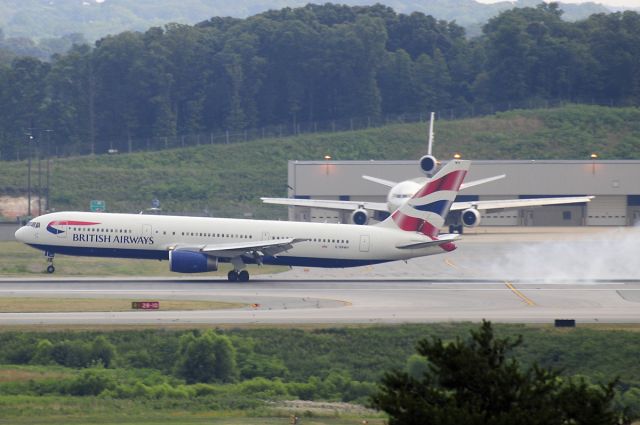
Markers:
{"x": 199, "y": 244}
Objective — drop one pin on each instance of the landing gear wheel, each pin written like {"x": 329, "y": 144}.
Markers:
{"x": 456, "y": 228}
{"x": 232, "y": 276}
{"x": 243, "y": 276}
{"x": 50, "y": 268}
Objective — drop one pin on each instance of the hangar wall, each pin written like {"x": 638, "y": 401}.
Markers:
{"x": 615, "y": 183}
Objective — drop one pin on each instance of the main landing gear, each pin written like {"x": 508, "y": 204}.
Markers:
{"x": 459, "y": 228}
{"x": 238, "y": 274}
{"x": 50, "y": 267}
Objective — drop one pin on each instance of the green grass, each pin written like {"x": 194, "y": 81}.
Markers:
{"x": 227, "y": 180}
{"x": 93, "y": 410}
{"x": 17, "y": 259}
{"x": 60, "y": 305}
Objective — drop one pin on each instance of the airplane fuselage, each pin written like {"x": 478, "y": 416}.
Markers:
{"x": 153, "y": 237}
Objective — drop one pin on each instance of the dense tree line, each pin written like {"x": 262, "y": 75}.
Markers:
{"x": 486, "y": 379}
{"x": 47, "y": 19}
{"x": 316, "y": 63}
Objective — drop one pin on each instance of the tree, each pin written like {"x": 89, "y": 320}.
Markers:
{"x": 103, "y": 351}
{"x": 476, "y": 382}
{"x": 206, "y": 358}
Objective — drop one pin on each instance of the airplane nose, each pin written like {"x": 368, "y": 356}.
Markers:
{"x": 21, "y": 234}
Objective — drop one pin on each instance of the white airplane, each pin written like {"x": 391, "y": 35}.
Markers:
{"x": 462, "y": 214}
{"x": 198, "y": 244}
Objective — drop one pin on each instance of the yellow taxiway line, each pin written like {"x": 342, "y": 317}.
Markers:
{"x": 522, "y": 296}
{"x": 450, "y": 263}
{"x": 513, "y": 289}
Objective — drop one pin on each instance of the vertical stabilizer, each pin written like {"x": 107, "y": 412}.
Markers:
{"x": 427, "y": 209}
{"x": 430, "y": 143}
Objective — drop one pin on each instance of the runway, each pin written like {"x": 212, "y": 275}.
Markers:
{"x": 503, "y": 278}
{"x": 343, "y": 302}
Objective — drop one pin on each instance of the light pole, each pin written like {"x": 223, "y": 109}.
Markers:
{"x": 30, "y": 138}
{"x": 327, "y": 158}
{"x": 593, "y": 156}
{"x": 48, "y": 154}
{"x": 39, "y": 192}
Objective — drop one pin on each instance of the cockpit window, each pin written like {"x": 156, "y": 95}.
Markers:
{"x": 34, "y": 224}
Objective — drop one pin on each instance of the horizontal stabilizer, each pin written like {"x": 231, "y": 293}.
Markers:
{"x": 442, "y": 239}
{"x": 378, "y": 180}
{"x": 481, "y": 181}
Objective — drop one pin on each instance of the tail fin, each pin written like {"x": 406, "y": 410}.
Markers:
{"x": 426, "y": 211}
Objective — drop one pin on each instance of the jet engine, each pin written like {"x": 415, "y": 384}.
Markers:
{"x": 181, "y": 261}
{"x": 471, "y": 217}
{"x": 428, "y": 164}
{"x": 360, "y": 216}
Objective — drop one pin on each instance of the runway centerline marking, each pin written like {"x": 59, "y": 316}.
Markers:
{"x": 522, "y": 296}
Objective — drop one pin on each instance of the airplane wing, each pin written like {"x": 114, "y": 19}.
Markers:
{"x": 328, "y": 204}
{"x": 231, "y": 250}
{"x": 518, "y": 203}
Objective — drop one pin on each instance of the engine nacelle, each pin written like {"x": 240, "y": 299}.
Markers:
{"x": 428, "y": 164}
{"x": 181, "y": 261}
{"x": 471, "y": 217}
{"x": 360, "y": 216}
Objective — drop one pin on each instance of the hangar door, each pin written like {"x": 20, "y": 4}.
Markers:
{"x": 607, "y": 211}
{"x": 502, "y": 217}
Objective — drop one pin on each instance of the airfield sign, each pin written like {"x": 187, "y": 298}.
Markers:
{"x": 97, "y": 206}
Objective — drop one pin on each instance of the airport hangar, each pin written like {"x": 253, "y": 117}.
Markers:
{"x": 615, "y": 184}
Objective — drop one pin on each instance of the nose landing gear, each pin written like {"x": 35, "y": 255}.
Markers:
{"x": 50, "y": 267}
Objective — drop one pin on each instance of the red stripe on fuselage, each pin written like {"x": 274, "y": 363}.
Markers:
{"x": 72, "y": 223}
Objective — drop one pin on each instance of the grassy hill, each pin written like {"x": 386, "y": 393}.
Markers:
{"x": 227, "y": 180}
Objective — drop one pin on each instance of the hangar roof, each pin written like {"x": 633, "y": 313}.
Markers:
{"x": 531, "y": 177}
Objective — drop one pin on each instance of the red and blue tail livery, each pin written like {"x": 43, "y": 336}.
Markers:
{"x": 426, "y": 211}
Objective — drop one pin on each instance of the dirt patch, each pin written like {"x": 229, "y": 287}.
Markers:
{"x": 323, "y": 408}
{"x": 12, "y": 207}
{"x": 18, "y": 375}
